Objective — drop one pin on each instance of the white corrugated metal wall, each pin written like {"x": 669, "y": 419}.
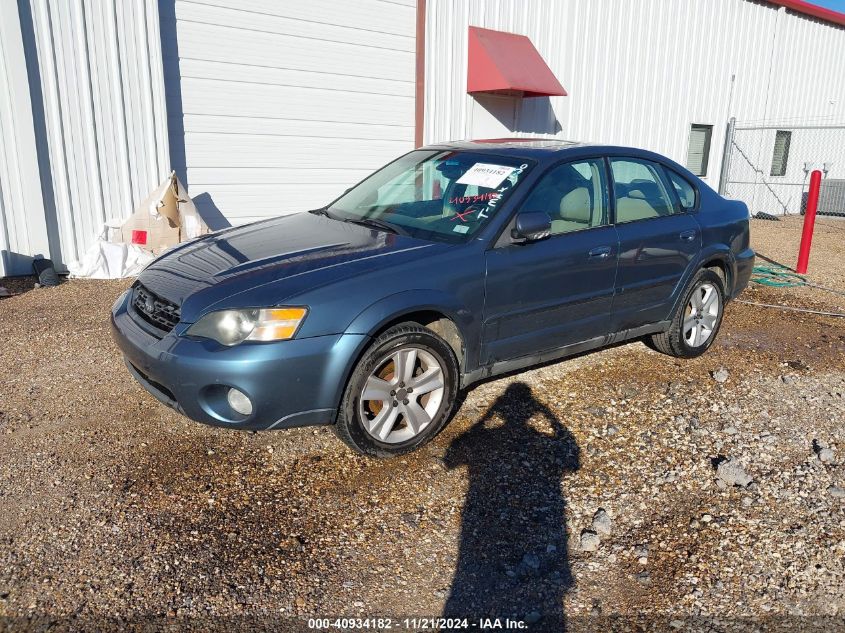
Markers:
{"x": 23, "y": 229}
{"x": 96, "y": 93}
{"x": 639, "y": 73}
{"x": 278, "y": 107}
{"x": 104, "y": 112}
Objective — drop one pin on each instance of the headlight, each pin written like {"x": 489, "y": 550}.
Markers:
{"x": 231, "y": 327}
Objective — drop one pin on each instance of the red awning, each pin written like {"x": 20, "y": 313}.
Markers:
{"x": 500, "y": 62}
{"x": 813, "y": 10}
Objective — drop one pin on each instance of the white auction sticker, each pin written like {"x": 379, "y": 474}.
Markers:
{"x": 485, "y": 175}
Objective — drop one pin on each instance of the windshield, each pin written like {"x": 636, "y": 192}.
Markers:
{"x": 434, "y": 194}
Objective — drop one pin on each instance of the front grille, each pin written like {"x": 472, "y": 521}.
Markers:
{"x": 156, "y": 311}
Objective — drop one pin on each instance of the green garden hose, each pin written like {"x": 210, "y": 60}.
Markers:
{"x": 777, "y": 276}
{"x": 782, "y": 277}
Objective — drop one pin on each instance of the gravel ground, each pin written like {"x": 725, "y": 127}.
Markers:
{"x": 616, "y": 486}
{"x": 778, "y": 241}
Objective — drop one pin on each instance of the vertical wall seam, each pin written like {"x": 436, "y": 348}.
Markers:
{"x": 6, "y": 236}
{"x": 419, "y": 69}
{"x": 4, "y": 167}
{"x": 119, "y": 115}
{"x": 56, "y": 137}
{"x": 159, "y": 111}
{"x": 146, "y": 89}
{"x": 95, "y": 148}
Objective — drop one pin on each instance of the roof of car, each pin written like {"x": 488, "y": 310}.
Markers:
{"x": 500, "y": 145}
{"x": 543, "y": 149}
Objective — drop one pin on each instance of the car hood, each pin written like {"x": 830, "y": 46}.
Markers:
{"x": 278, "y": 258}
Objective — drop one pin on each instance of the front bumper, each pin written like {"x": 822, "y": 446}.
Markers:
{"x": 290, "y": 383}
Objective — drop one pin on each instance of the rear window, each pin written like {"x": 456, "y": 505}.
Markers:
{"x": 685, "y": 191}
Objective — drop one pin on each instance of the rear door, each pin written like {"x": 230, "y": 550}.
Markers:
{"x": 658, "y": 239}
{"x": 550, "y": 293}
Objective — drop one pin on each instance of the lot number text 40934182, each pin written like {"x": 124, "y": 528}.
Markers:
{"x": 415, "y": 624}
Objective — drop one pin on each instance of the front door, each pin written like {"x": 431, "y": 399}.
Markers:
{"x": 547, "y": 294}
{"x": 658, "y": 240}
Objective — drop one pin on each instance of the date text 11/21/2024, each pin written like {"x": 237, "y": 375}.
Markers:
{"x": 416, "y": 624}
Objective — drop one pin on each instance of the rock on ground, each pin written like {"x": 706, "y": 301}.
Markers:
{"x": 732, "y": 473}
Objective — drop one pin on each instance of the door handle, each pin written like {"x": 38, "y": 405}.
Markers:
{"x": 601, "y": 252}
{"x": 688, "y": 236}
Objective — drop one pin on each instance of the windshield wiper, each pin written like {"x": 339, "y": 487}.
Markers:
{"x": 373, "y": 223}
{"x": 322, "y": 211}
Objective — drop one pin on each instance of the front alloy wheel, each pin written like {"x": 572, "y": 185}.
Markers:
{"x": 400, "y": 394}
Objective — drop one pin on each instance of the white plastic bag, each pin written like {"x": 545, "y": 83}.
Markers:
{"x": 107, "y": 260}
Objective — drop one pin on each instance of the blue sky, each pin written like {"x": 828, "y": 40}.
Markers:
{"x": 836, "y": 5}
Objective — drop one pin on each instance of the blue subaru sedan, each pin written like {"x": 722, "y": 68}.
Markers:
{"x": 451, "y": 264}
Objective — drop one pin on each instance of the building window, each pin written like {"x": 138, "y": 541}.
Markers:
{"x": 780, "y": 156}
{"x": 698, "y": 152}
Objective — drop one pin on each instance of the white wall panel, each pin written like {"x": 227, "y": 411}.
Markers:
{"x": 271, "y": 107}
{"x": 639, "y": 73}
{"x": 279, "y": 107}
{"x": 23, "y": 229}
{"x": 102, "y": 113}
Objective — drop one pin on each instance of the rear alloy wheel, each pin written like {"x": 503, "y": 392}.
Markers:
{"x": 696, "y": 322}
{"x": 400, "y": 394}
{"x": 701, "y": 315}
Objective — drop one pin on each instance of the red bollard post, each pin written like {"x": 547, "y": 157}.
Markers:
{"x": 809, "y": 222}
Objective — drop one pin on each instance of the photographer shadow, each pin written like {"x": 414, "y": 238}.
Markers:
{"x": 512, "y": 560}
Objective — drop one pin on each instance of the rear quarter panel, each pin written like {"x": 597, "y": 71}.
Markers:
{"x": 726, "y": 236}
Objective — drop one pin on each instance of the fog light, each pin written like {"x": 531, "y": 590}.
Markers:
{"x": 239, "y": 401}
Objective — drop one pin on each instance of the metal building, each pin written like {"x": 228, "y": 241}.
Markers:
{"x": 266, "y": 107}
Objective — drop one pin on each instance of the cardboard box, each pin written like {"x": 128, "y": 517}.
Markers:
{"x": 165, "y": 218}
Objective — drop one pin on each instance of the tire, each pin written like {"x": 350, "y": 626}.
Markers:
{"x": 404, "y": 411}
{"x": 688, "y": 336}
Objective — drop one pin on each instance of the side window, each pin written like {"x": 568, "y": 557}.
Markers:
{"x": 686, "y": 192}
{"x": 639, "y": 190}
{"x": 573, "y": 194}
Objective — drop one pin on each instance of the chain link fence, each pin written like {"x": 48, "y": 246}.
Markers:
{"x": 768, "y": 166}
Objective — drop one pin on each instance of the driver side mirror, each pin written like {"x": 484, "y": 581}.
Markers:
{"x": 531, "y": 226}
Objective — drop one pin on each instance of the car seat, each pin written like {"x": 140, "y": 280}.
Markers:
{"x": 639, "y": 199}
{"x": 575, "y": 207}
